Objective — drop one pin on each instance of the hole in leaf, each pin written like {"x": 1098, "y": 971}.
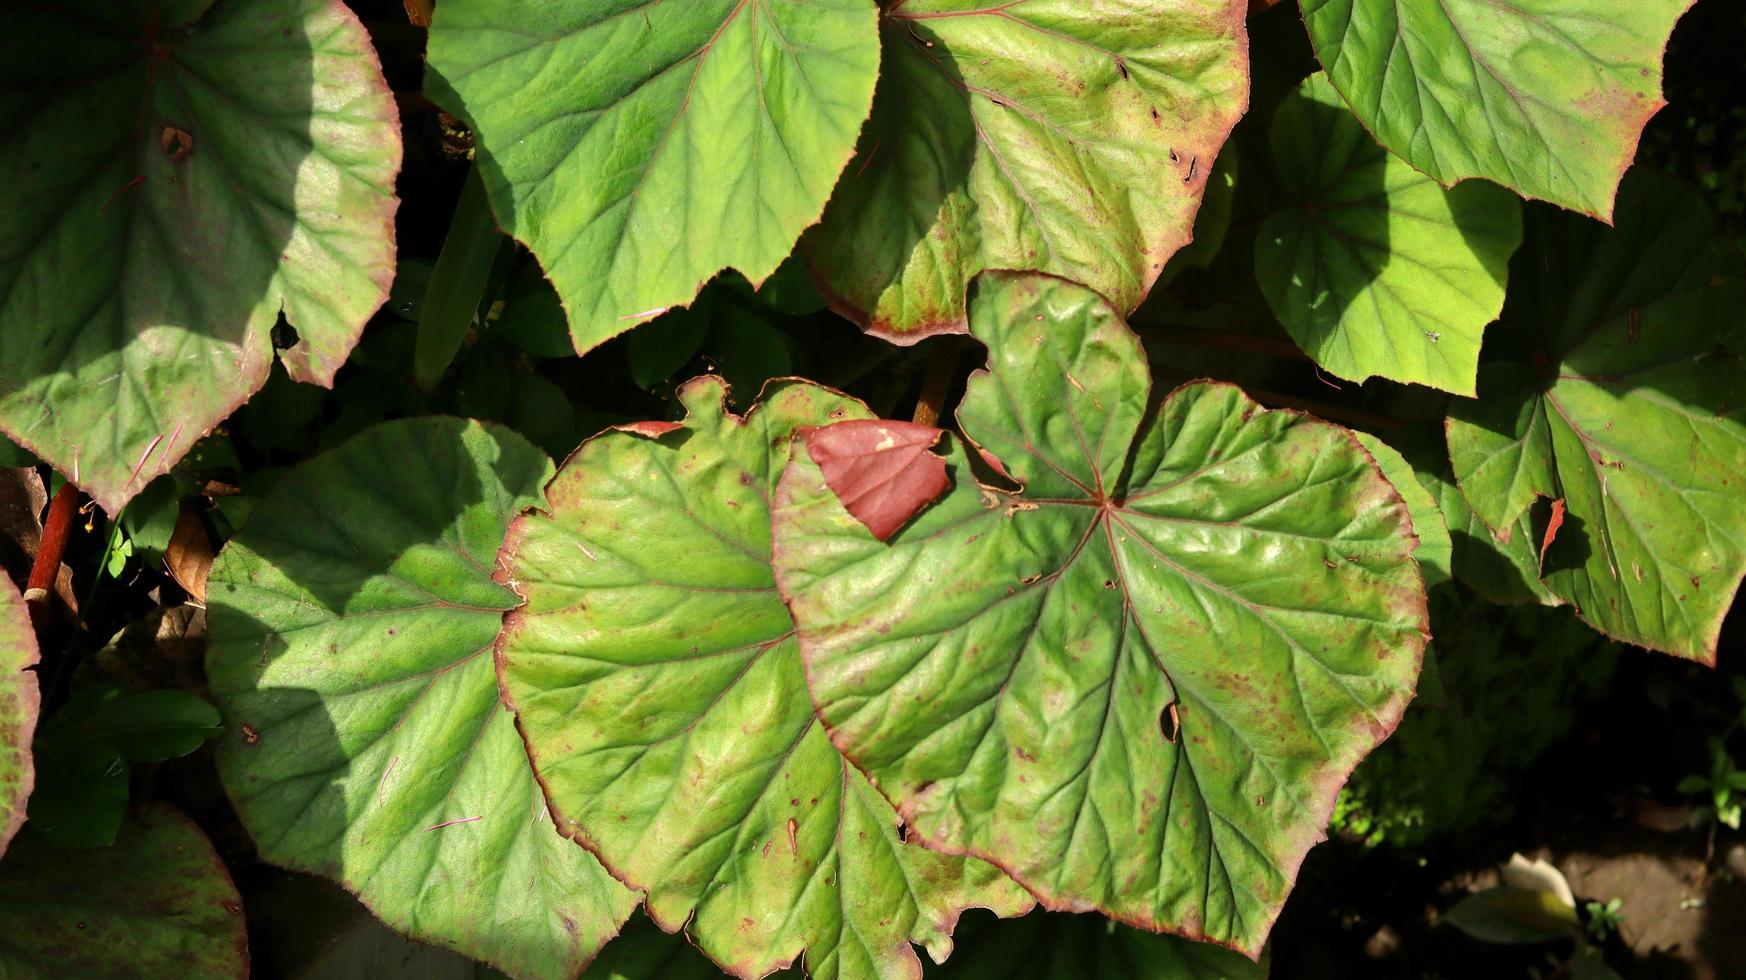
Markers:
{"x": 176, "y": 143}
{"x": 1170, "y": 723}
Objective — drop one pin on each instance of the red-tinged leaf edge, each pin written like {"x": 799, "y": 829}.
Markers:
{"x": 1640, "y": 115}
{"x": 28, "y": 704}
{"x": 882, "y": 471}
{"x": 1552, "y": 526}
{"x": 514, "y": 618}
{"x": 297, "y": 359}
{"x": 1164, "y": 246}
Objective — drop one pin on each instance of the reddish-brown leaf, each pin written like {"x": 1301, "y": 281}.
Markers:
{"x": 1552, "y": 526}
{"x": 882, "y": 471}
{"x": 189, "y": 553}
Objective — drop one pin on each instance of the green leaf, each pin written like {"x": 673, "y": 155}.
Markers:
{"x": 457, "y": 283}
{"x": 1693, "y": 784}
{"x": 180, "y": 174}
{"x": 1546, "y": 97}
{"x": 643, "y": 952}
{"x": 662, "y": 347}
{"x": 1068, "y": 138}
{"x": 1433, "y": 550}
{"x": 1625, "y": 404}
{"x": 148, "y": 726}
{"x": 157, "y": 904}
{"x": 352, "y": 621}
{"x": 533, "y": 318}
{"x": 1514, "y": 915}
{"x": 1211, "y": 223}
{"x": 1375, "y": 269}
{"x": 19, "y": 703}
{"x": 81, "y": 792}
{"x": 150, "y": 517}
{"x": 657, "y": 681}
{"x": 1046, "y": 946}
{"x": 638, "y": 150}
{"x": 1139, "y": 682}
{"x": 1504, "y": 571}
{"x": 14, "y": 456}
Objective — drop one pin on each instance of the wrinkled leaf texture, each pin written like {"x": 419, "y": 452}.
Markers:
{"x": 1138, "y": 683}
{"x": 1054, "y": 135}
{"x": 656, "y": 678}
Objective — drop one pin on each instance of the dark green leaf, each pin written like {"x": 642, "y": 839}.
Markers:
{"x": 457, "y": 283}
{"x": 1052, "y": 945}
{"x": 159, "y": 903}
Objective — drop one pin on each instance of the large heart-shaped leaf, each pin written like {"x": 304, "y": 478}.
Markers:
{"x": 657, "y": 681}
{"x": 1547, "y": 97}
{"x": 1066, "y": 137}
{"x": 1628, "y": 407}
{"x": 352, "y": 620}
{"x": 641, "y": 148}
{"x": 19, "y": 701}
{"x": 1138, "y": 683}
{"x": 1377, "y": 270}
{"x": 157, "y": 903}
{"x": 178, "y": 175}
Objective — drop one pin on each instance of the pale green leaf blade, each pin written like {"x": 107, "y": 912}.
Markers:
{"x": 173, "y": 187}
{"x": 1633, "y": 413}
{"x": 640, "y": 148}
{"x": 19, "y": 703}
{"x": 156, "y": 903}
{"x": 660, "y": 690}
{"x": 1139, "y": 697}
{"x": 352, "y": 624}
{"x": 1053, "y": 135}
{"x": 1546, "y": 97}
{"x": 1375, "y": 270}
